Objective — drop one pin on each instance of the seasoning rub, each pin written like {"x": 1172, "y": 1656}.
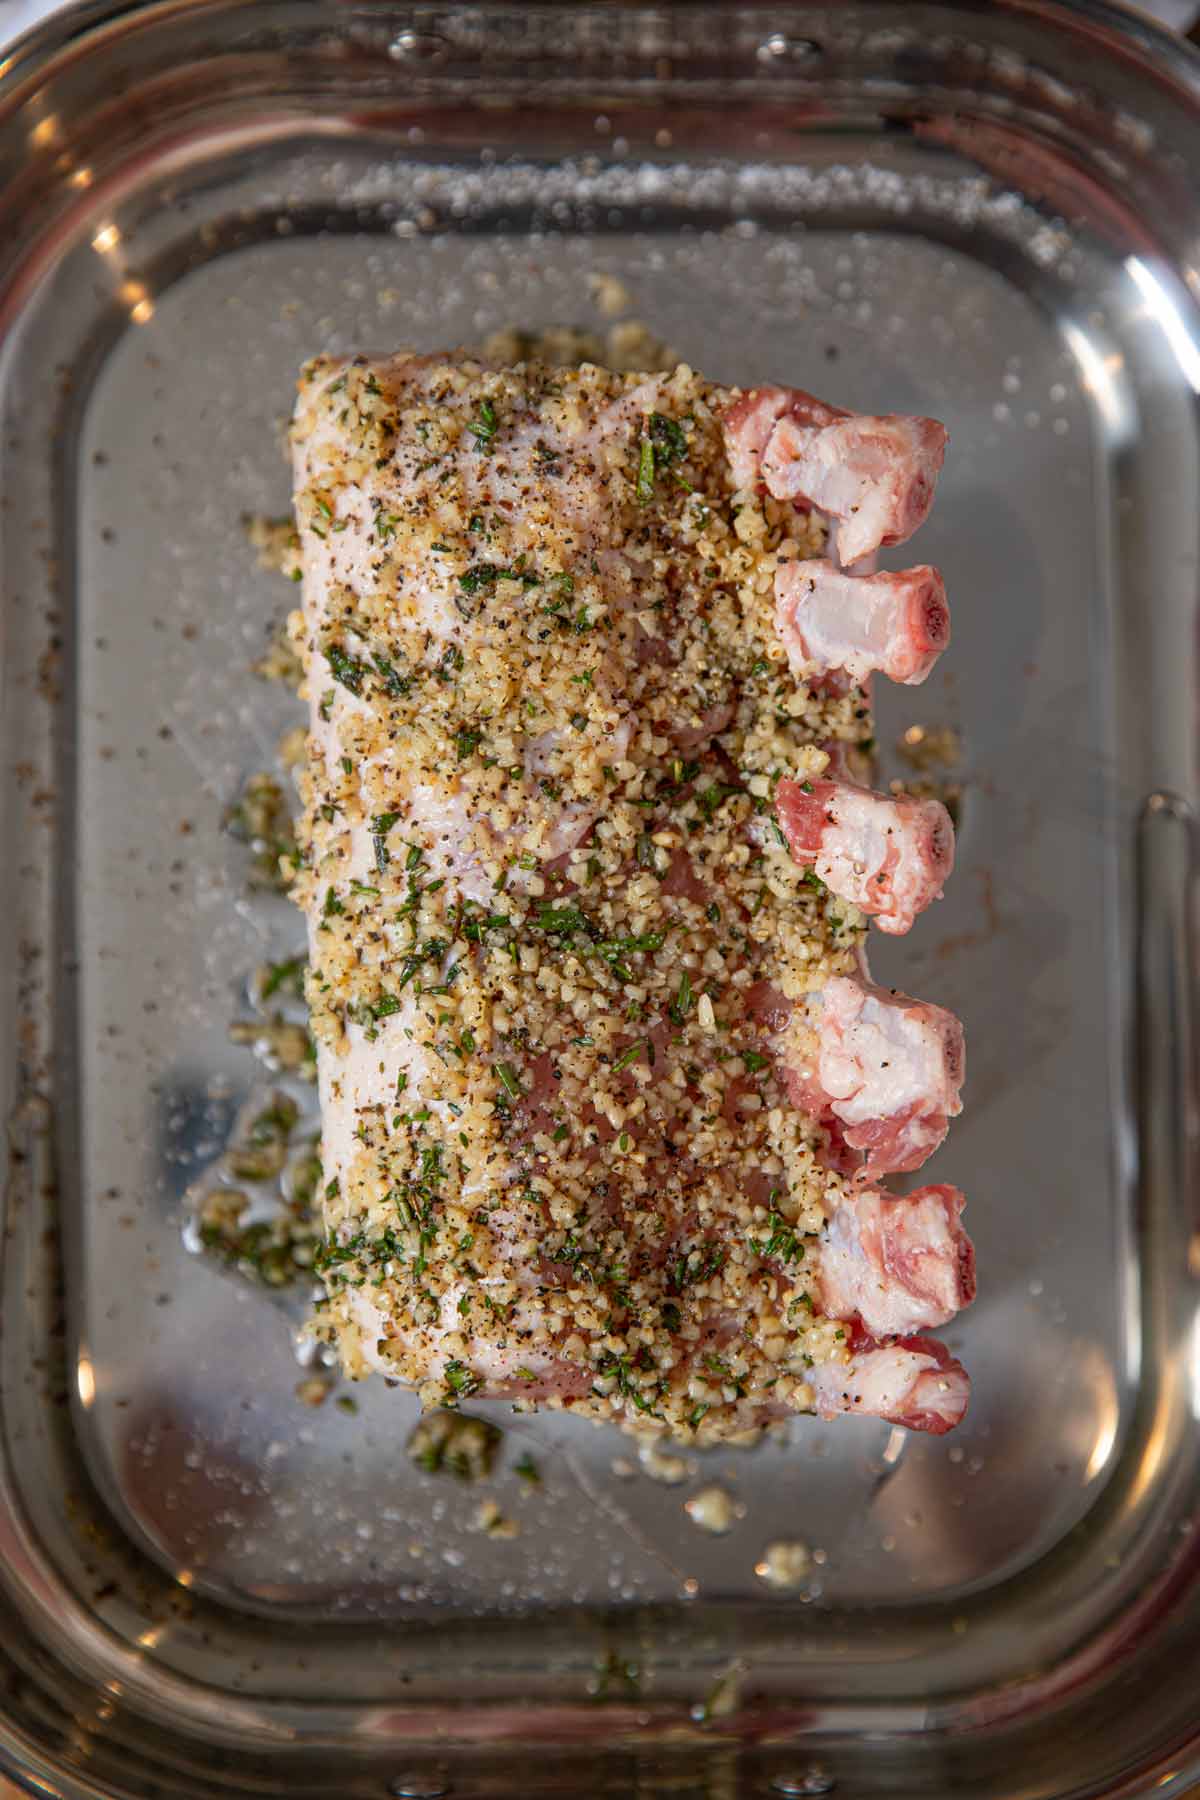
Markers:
{"x": 565, "y": 973}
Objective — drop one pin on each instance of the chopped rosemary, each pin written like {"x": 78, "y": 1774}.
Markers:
{"x": 381, "y": 824}
{"x": 287, "y": 976}
{"x": 507, "y": 1077}
{"x": 484, "y": 427}
{"x": 645, "y": 474}
{"x": 781, "y": 1241}
{"x": 682, "y": 1003}
{"x": 462, "y": 1380}
{"x": 345, "y": 668}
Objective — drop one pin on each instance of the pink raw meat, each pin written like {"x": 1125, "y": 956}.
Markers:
{"x": 887, "y": 1071}
{"x": 876, "y": 475}
{"x": 889, "y": 856}
{"x": 914, "y": 1381}
{"x": 896, "y": 623}
{"x": 899, "y": 1263}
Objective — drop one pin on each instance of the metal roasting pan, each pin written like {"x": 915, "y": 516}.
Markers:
{"x": 986, "y": 212}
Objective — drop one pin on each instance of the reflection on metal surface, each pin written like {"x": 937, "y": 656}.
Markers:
{"x": 136, "y": 297}
{"x": 131, "y": 292}
{"x": 1164, "y": 310}
{"x": 815, "y": 1780}
{"x": 44, "y": 132}
{"x": 1102, "y": 372}
{"x": 1153, "y": 1450}
{"x": 1106, "y": 1436}
{"x": 85, "y": 1380}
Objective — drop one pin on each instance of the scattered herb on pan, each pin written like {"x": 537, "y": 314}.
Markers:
{"x": 454, "y": 1443}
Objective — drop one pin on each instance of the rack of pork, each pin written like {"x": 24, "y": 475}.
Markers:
{"x": 878, "y": 1072}
{"x": 885, "y": 1071}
